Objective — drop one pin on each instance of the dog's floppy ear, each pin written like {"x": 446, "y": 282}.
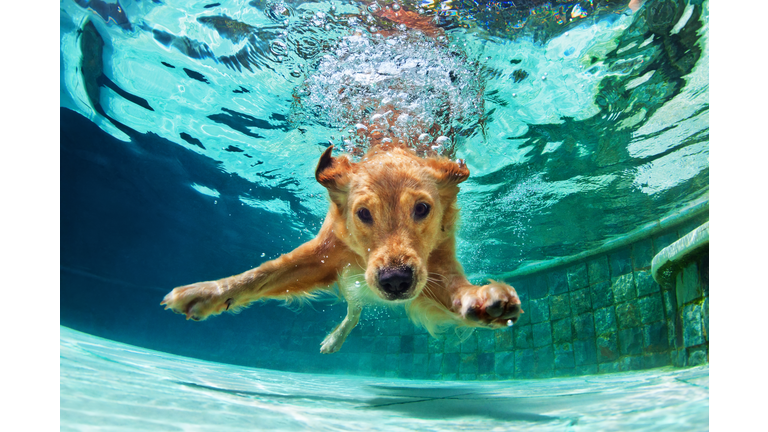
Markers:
{"x": 448, "y": 172}
{"x": 333, "y": 173}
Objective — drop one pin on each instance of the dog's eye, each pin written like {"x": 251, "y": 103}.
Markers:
{"x": 421, "y": 211}
{"x": 365, "y": 215}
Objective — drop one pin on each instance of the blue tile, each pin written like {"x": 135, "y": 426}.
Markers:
{"x": 655, "y": 360}
{"x": 705, "y": 318}
{"x": 655, "y": 337}
{"x": 580, "y": 301}
{"x": 504, "y": 339}
{"x": 585, "y": 352}
{"x": 561, "y": 331}
{"x": 650, "y": 308}
{"x": 545, "y": 361}
{"x": 421, "y": 344}
{"x": 611, "y": 367}
{"x": 539, "y": 310}
{"x": 537, "y": 287}
{"x": 563, "y": 356}
{"x": 451, "y": 363}
{"x": 627, "y": 315}
{"x": 602, "y": 295}
{"x": 542, "y": 334}
{"x": 631, "y": 341}
{"x": 486, "y": 363}
{"x": 525, "y": 363}
{"x": 607, "y": 348}
{"x": 560, "y": 306}
{"x": 624, "y": 288}
{"x": 631, "y": 363}
{"x": 584, "y": 326}
{"x": 486, "y": 339}
{"x": 504, "y": 365}
{"x": 435, "y": 345}
{"x": 589, "y": 369}
{"x": 642, "y": 254}
{"x": 434, "y": 363}
{"x": 523, "y": 336}
{"x": 692, "y": 326}
{"x": 697, "y": 356}
{"x": 605, "y": 321}
{"x": 468, "y": 364}
{"x": 407, "y": 368}
{"x": 645, "y": 283}
{"x": 469, "y": 345}
{"x": 577, "y": 276}
{"x": 406, "y": 344}
{"x": 620, "y": 262}
{"x": 557, "y": 280}
{"x": 393, "y": 344}
{"x": 597, "y": 270}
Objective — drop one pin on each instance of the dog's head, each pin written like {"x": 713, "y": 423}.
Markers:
{"x": 393, "y": 209}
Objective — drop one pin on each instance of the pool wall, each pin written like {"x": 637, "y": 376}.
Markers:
{"x": 602, "y": 314}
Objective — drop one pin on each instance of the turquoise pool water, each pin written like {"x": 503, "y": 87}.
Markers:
{"x": 189, "y": 134}
{"x": 106, "y": 385}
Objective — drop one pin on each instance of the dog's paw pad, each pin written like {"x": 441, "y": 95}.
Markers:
{"x": 197, "y": 301}
{"x": 494, "y": 305}
{"x": 331, "y": 344}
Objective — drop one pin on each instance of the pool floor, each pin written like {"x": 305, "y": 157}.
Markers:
{"x": 106, "y": 385}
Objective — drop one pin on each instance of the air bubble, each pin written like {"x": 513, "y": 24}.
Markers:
{"x": 374, "y": 7}
{"x": 395, "y": 7}
{"x": 263, "y": 254}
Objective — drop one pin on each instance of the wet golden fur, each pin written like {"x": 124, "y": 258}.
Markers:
{"x": 390, "y": 182}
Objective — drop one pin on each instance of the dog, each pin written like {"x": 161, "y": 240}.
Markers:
{"x": 388, "y": 238}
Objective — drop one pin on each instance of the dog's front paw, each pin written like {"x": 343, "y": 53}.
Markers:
{"x": 197, "y": 301}
{"x": 494, "y": 305}
{"x": 331, "y": 343}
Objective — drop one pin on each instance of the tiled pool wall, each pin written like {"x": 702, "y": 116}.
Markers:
{"x": 602, "y": 314}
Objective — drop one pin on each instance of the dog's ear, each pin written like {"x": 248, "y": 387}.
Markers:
{"x": 333, "y": 173}
{"x": 448, "y": 172}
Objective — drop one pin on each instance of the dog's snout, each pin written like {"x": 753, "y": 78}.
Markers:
{"x": 396, "y": 281}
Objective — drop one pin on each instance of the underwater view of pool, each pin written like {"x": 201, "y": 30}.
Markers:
{"x": 189, "y": 136}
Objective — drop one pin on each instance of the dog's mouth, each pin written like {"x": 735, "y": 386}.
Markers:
{"x": 396, "y": 283}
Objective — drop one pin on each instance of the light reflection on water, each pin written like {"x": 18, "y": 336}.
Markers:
{"x": 583, "y": 114}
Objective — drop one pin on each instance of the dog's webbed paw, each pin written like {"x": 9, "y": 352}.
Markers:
{"x": 332, "y": 343}
{"x": 197, "y": 301}
{"x": 493, "y": 305}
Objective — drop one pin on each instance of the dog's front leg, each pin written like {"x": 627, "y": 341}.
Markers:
{"x": 313, "y": 265}
{"x": 336, "y": 338}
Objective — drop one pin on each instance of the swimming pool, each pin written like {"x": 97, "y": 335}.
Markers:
{"x": 190, "y": 132}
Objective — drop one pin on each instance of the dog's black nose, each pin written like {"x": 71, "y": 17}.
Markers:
{"x": 395, "y": 280}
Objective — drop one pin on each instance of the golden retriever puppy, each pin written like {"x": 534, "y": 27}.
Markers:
{"x": 388, "y": 238}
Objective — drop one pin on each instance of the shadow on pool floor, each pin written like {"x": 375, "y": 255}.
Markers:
{"x": 115, "y": 386}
